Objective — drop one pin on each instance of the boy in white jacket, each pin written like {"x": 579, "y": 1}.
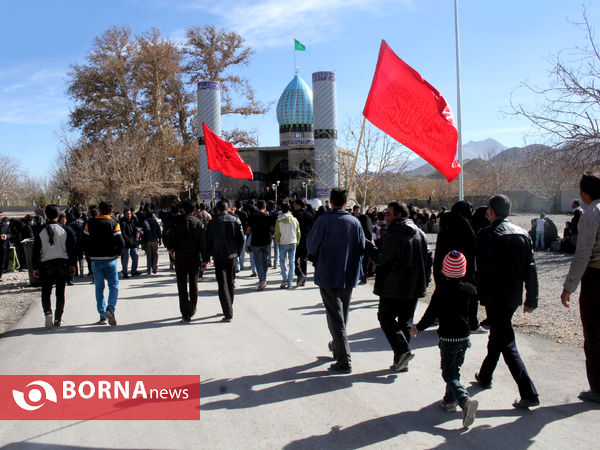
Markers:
{"x": 287, "y": 236}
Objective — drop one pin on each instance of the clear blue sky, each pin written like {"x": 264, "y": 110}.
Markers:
{"x": 502, "y": 44}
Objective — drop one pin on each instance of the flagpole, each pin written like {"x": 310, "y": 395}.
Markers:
{"x": 458, "y": 110}
{"x": 356, "y": 154}
{"x": 294, "y": 53}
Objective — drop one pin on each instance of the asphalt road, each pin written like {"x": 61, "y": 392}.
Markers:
{"x": 264, "y": 378}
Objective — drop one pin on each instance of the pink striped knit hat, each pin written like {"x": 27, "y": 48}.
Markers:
{"x": 454, "y": 265}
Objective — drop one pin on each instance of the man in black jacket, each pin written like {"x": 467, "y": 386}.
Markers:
{"x": 185, "y": 238}
{"x": 226, "y": 239}
{"x": 305, "y": 219}
{"x": 505, "y": 262}
{"x": 103, "y": 244}
{"x": 404, "y": 261}
{"x": 130, "y": 236}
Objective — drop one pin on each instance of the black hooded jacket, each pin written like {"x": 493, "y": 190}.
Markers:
{"x": 457, "y": 234}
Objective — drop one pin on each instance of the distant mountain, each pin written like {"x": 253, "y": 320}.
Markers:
{"x": 517, "y": 153}
{"x": 486, "y": 149}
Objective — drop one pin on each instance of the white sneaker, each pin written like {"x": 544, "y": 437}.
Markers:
{"x": 469, "y": 411}
{"x": 49, "y": 322}
{"x": 448, "y": 406}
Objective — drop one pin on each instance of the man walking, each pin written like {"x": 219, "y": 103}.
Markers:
{"x": 130, "y": 236}
{"x": 261, "y": 225}
{"x": 103, "y": 243}
{"x": 505, "y": 262}
{"x": 305, "y": 219}
{"x": 404, "y": 262}
{"x": 226, "y": 239}
{"x": 287, "y": 236}
{"x": 185, "y": 238}
{"x": 337, "y": 241}
{"x": 54, "y": 261}
{"x": 151, "y": 238}
{"x": 585, "y": 267}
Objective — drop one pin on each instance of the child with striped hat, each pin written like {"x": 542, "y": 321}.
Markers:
{"x": 450, "y": 306}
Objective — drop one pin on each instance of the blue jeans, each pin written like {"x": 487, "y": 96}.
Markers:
{"x": 539, "y": 239}
{"x": 125, "y": 259}
{"x": 287, "y": 252}
{"x": 106, "y": 270}
{"x": 273, "y": 244}
{"x": 453, "y": 356}
{"x": 260, "y": 259}
{"x": 242, "y": 257}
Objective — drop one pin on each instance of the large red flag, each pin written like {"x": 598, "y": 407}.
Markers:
{"x": 405, "y": 106}
{"x": 222, "y": 156}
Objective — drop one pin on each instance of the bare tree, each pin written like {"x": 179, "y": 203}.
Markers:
{"x": 378, "y": 154}
{"x": 214, "y": 55}
{"x": 132, "y": 111}
{"x": 567, "y": 115}
{"x": 10, "y": 174}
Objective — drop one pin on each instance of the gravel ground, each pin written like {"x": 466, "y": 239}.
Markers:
{"x": 551, "y": 320}
{"x": 15, "y": 298}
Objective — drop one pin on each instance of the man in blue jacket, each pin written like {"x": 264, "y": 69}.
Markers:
{"x": 337, "y": 241}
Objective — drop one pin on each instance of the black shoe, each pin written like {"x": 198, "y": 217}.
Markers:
{"x": 342, "y": 368}
{"x": 226, "y": 319}
{"x": 589, "y": 396}
{"x": 331, "y": 349}
{"x": 57, "y": 322}
{"x": 526, "y": 403}
{"x": 69, "y": 283}
{"x": 136, "y": 273}
{"x": 301, "y": 281}
{"x": 482, "y": 382}
{"x": 102, "y": 321}
{"x": 186, "y": 319}
{"x": 125, "y": 275}
{"x": 403, "y": 361}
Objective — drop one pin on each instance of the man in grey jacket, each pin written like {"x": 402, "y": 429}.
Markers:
{"x": 585, "y": 267}
{"x": 53, "y": 261}
{"x": 225, "y": 241}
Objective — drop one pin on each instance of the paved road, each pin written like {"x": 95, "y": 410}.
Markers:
{"x": 264, "y": 377}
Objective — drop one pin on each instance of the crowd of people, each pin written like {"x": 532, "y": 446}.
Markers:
{"x": 480, "y": 258}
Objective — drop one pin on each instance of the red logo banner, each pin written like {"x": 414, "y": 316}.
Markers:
{"x": 100, "y": 397}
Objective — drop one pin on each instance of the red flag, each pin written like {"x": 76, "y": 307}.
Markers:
{"x": 222, "y": 156}
{"x": 405, "y": 106}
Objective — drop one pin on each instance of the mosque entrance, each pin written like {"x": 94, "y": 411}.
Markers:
{"x": 280, "y": 173}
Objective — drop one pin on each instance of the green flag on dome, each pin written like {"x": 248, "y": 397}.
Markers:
{"x": 298, "y": 45}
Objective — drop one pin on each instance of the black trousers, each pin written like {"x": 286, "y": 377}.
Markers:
{"x": 301, "y": 262}
{"x": 186, "y": 271}
{"x": 589, "y": 309}
{"x": 502, "y": 342}
{"x": 54, "y": 272}
{"x": 395, "y": 316}
{"x": 225, "y": 272}
{"x": 337, "y": 304}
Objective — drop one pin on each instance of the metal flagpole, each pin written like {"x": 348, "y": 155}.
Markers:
{"x": 458, "y": 112}
{"x": 356, "y": 155}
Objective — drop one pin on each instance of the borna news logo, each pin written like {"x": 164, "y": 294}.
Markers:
{"x": 100, "y": 397}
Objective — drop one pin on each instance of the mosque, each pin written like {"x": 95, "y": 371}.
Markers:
{"x": 306, "y": 161}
